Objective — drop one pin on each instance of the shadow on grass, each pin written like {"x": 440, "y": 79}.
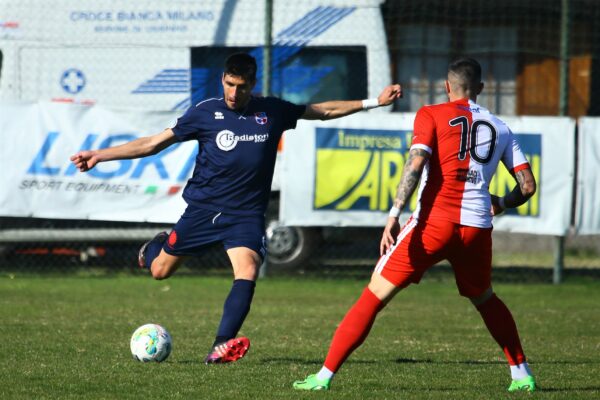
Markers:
{"x": 479, "y": 362}
{"x": 443, "y": 272}
{"x": 279, "y": 360}
{"x": 430, "y": 361}
{"x": 188, "y": 362}
{"x": 570, "y": 389}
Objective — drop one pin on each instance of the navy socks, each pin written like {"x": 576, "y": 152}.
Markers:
{"x": 235, "y": 310}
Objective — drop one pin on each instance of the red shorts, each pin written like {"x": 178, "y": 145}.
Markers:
{"x": 420, "y": 245}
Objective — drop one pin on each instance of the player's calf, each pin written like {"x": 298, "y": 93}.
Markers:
{"x": 164, "y": 266}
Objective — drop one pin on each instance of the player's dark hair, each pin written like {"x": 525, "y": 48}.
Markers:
{"x": 468, "y": 72}
{"x": 241, "y": 64}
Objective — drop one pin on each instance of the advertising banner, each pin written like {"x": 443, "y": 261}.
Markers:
{"x": 587, "y": 217}
{"x": 345, "y": 172}
{"x": 38, "y": 179}
{"x": 336, "y": 173}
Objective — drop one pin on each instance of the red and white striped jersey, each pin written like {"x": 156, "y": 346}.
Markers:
{"x": 466, "y": 143}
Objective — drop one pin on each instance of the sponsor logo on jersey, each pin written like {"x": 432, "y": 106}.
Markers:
{"x": 470, "y": 109}
{"x": 227, "y": 140}
{"x": 219, "y": 115}
{"x": 468, "y": 175}
{"x": 261, "y": 118}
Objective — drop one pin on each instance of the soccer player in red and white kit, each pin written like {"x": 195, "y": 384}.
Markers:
{"x": 455, "y": 151}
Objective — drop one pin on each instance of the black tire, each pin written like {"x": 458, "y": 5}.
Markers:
{"x": 291, "y": 247}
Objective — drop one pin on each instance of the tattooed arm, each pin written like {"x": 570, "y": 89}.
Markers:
{"x": 417, "y": 158}
{"x": 524, "y": 189}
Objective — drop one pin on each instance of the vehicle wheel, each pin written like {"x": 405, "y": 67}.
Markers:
{"x": 290, "y": 247}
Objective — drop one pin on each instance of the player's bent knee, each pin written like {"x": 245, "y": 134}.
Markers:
{"x": 383, "y": 289}
{"x": 245, "y": 262}
{"x": 485, "y": 296}
{"x": 158, "y": 274}
{"x": 160, "y": 270}
{"x": 247, "y": 271}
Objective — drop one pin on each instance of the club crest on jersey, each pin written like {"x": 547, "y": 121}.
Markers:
{"x": 261, "y": 118}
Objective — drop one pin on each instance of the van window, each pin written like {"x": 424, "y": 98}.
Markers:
{"x": 299, "y": 74}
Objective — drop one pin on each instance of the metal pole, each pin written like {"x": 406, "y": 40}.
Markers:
{"x": 267, "y": 48}
{"x": 565, "y": 25}
{"x": 559, "y": 256}
{"x": 266, "y": 82}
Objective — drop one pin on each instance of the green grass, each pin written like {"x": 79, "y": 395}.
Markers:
{"x": 68, "y": 338}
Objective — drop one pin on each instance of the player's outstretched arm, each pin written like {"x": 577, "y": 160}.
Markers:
{"x": 523, "y": 190}
{"x": 341, "y": 108}
{"x": 417, "y": 158}
{"x": 142, "y": 147}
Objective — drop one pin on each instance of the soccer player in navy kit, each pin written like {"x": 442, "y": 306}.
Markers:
{"x": 228, "y": 192}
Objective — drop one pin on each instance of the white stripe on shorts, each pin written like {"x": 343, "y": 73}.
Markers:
{"x": 403, "y": 232}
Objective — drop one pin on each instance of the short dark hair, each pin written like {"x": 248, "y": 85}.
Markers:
{"x": 467, "y": 70}
{"x": 241, "y": 64}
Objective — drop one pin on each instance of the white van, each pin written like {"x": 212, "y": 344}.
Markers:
{"x": 167, "y": 55}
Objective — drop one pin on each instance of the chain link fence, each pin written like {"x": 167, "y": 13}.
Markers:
{"x": 540, "y": 57}
{"x": 112, "y": 247}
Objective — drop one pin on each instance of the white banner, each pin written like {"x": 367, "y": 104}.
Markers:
{"x": 345, "y": 172}
{"x": 38, "y": 179}
{"x": 587, "y": 217}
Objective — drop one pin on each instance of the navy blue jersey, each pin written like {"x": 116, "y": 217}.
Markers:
{"x": 235, "y": 162}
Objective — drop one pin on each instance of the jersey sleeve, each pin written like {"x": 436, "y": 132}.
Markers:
{"x": 290, "y": 113}
{"x": 189, "y": 125}
{"x": 513, "y": 157}
{"x": 423, "y": 131}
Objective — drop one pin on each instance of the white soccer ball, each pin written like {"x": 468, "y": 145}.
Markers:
{"x": 151, "y": 342}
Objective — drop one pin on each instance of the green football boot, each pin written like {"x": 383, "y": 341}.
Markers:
{"x": 312, "y": 383}
{"x": 525, "y": 384}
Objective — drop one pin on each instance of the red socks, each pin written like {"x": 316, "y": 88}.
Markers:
{"x": 353, "y": 329}
{"x": 501, "y": 325}
{"x": 357, "y": 324}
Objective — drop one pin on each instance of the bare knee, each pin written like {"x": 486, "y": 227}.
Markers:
{"x": 161, "y": 270}
{"x": 245, "y": 262}
{"x": 485, "y": 296}
{"x": 383, "y": 289}
{"x": 248, "y": 271}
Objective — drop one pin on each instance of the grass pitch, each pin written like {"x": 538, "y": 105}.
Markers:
{"x": 68, "y": 338}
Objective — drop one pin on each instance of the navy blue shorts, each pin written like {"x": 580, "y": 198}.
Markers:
{"x": 198, "y": 228}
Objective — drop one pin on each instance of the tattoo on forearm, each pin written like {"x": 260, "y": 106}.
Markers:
{"x": 520, "y": 194}
{"x": 410, "y": 179}
{"x": 521, "y": 179}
